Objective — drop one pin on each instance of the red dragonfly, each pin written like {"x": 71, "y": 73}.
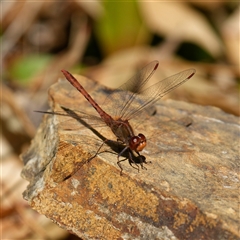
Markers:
{"x": 128, "y": 104}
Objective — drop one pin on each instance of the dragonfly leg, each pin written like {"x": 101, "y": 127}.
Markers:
{"x": 96, "y": 153}
{"x": 119, "y": 164}
{"x": 143, "y": 160}
{"x": 131, "y": 161}
{"x": 119, "y": 161}
{"x": 129, "y": 158}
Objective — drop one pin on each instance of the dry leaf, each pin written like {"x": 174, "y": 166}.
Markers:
{"x": 178, "y": 20}
{"x": 230, "y": 33}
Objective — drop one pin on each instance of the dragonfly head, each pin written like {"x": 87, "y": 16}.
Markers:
{"x": 138, "y": 143}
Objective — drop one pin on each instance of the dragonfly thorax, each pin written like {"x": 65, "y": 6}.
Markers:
{"x": 124, "y": 132}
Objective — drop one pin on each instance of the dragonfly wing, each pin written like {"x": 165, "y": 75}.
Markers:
{"x": 118, "y": 103}
{"x": 150, "y": 95}
{"x": 79, "y": 116}
{"x": 139, "y": 80}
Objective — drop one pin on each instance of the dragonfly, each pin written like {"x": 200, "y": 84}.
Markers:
{"x": 128, "y": 105}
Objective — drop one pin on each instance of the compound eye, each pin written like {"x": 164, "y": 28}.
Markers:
{"x": 142, "y": 137}
{"x": 137, "y": 143}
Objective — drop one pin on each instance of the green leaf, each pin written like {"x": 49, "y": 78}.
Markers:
{"x": 25, "y": 67}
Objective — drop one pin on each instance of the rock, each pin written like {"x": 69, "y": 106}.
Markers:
{"x": 189, "y": 191}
